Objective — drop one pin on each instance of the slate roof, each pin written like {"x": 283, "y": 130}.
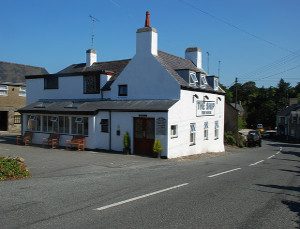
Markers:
{"x": 287, "y": 111}
{"x": 239, "y": 107}
{"x": 93, "y": 106}
{"x": 15, "y": 73}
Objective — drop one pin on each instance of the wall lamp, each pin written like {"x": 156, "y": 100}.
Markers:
{"x": 205, "y": 97}
{"x": 195, "y": 96}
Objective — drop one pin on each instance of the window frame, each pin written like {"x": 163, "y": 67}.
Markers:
{"x": 120, "y": 93}
{"x": 192, "y": 134}
{"x": 22, "y": 91}
{"x": 206, "y": 127}
{"x": 217, "y": 128}
{"x": 193, "y": 80}
{"x": 104, "y": 125}
{"x": 53, "y": 85}
{"x": 176, "y": 131}
{"x": 3, "y": 90}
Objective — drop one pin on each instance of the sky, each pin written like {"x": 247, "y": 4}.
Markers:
{"x": 255, "y": 40}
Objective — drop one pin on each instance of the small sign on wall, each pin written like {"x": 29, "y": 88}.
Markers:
{"x": 161, "y": 126}
{"x": 205, "y": 108}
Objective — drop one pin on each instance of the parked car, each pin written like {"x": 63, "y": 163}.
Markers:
{"x": 254, "y": 138}
{"x": 270, "y": 134}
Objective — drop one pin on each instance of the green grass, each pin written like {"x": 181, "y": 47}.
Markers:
{"x": 12, "y": 168}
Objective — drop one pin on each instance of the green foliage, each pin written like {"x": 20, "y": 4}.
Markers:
{"x": 229, "y": 138}
{"x": 157, "y": 147}
{"x": 262, "y": 104}
{"x": 126, "y": 140}
{"x": 12, "y": 168}
{"x": 241, "y": 123}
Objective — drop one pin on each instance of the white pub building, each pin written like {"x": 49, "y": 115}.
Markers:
{"x": 154, "y": 95}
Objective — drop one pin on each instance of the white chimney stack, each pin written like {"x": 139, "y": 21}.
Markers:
{"x": 195, "y": 55}
{"x": 146, "y": 39}
{"x": 91, "y": 57}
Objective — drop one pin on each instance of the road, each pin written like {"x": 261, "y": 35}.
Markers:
{"x": 252, "y": 188}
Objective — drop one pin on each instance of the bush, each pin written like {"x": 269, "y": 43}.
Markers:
{"x": 13, "y": 168}
{"x": 157, "y": 147}
{"x": 229, "y": 138}
{"x": 126, "y": 141}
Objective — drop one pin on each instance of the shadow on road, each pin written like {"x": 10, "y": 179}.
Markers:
{"x": 278, "y": 144}
{"x": 297, "y": 154}
{"x": 294, "y": 207}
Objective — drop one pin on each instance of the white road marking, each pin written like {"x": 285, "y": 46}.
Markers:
{"x": 256, "y": 163}
{"x": 224, "y": 172}
{"x": 271, "y": 156}
{"x": 278, "y": 152}
{"x": 280, "y": 149}
{"x": 139, "y": 197}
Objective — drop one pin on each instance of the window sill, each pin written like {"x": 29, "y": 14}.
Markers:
{"x": 174, "y": 136}
{"x": 192, "y": 144}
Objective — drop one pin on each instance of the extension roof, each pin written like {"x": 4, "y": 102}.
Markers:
{"x": 91, "y": 107}
{"x": 12, "y": 73}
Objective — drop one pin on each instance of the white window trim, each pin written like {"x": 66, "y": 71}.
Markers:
{"x": 206, "y": 130}
{"x": 3, "y": 90}
{"x": 193, "y": 132}
{"x": 22, "y": 91}
{"x": 176, "y": 131}
{"x": 217, "y": 130}
{"x": 193, "y": 79}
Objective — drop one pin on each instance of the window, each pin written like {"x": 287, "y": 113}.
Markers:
{"x": 205, "y": 130}
{"x": 193, "y": 134}
{"x": 91, "y": 84}
{"x": 216, "y": 129}
{"x": 216, "y": 84}
{"x": 282, "y": 120}
{"x": 193, "y": 79}
{"x": 3, "y": 90}
{"x": 123, "y": 90}
{"x": 50, "y": 124}
{"x": 17, "y": 119}
{"x": 174, "y": 132}
{"x": 51, "y": 82}
{"x": 22, "y": 91}
{"x": 63, "y": 124}
{"x": 34, "y": 123}
{"x": 104, "y": 125}
{"x": 79, "y": 126}
{"x": 203, "y": 81}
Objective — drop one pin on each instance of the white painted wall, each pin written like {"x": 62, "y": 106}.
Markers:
{"x": 182, "y": 114}
{"x": 70, "y": 87}
{"x": 146, "y": 81}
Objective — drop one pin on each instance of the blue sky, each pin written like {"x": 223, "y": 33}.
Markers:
{"x": 56, "y": 33}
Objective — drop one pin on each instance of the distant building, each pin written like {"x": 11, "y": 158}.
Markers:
{"x": 239, "y": 107}
{"x": 13, "y": 93}
{"x": 288, "y": 122}
{"x": 231, "y": 118}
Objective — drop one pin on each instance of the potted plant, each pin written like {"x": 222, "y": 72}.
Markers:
{"x": 157, "y": 148}
{"x": 126, "y": 143}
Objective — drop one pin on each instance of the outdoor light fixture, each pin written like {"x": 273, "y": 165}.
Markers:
{"x": 196, "y": 96}
{"x": 205, "y": 97}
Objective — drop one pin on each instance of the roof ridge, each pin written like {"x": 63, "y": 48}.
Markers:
{"x": 175, "y": 56}
{"x": 112, "y": 61}
{"x": 25, "y": 65}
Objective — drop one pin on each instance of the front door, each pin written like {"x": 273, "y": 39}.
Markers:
{"x": 3, "y": 120}
{"x": 144, "y": 135}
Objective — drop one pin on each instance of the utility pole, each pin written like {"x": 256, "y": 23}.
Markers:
{"x": 236, "y": 91}
{"x": 207, "y": 63}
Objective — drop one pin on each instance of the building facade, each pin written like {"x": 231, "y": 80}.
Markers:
{"x": 153, "y": 96}
{"x": 13, "y": 93}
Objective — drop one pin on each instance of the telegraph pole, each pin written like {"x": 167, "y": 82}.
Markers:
{"x": 236, "y": 91}
{"x": 207, "y": 63}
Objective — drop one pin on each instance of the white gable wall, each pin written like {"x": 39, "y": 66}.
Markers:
{"x": 183, "y": 113}
{"x": 146, "y": 79}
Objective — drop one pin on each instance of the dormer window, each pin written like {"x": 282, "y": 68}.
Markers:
{"x": 216, "y": 84}
{"x": 193, "y": 79}
{"x": 203, "y": 81}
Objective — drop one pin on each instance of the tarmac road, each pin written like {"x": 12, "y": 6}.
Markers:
{"x": 250, "y": 188}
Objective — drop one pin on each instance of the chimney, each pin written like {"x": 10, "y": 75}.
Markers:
{"x": 146, "y": 39}
{"x": 194, "y": 54}
{"x": 91, "y": 57}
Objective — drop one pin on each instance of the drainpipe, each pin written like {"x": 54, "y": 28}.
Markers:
{"x": 110, "y": 130}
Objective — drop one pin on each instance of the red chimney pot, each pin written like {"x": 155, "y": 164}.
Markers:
{"x": 147, "y": 21}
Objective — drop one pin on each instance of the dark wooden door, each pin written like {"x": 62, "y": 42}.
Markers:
{"x": 144, "y": 135}
{"x": 3, "y": 120}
